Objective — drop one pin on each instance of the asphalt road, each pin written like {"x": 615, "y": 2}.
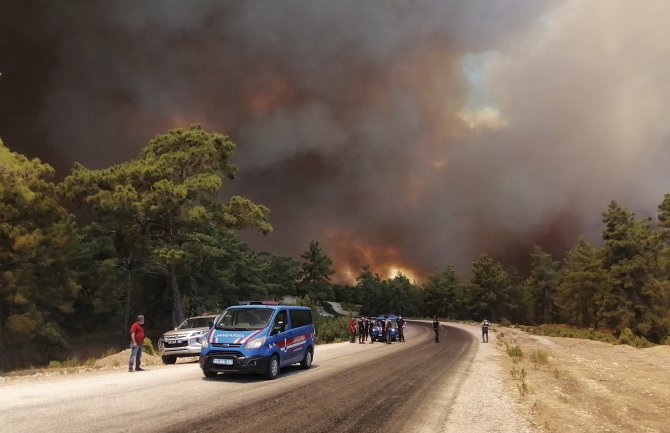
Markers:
{"x": 401, "y": 387}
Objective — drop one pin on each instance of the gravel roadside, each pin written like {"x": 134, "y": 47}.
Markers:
{"x": 484, "y": 403}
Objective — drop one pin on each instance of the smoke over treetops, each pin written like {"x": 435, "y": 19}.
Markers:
{"x": 404, "y": 135}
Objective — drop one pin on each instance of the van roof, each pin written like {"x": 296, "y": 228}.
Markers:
{"x": 268, "y": 307}
{"x": 259, "y": 303}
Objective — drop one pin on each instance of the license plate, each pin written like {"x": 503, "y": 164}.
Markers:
{"x": 174, "y": 341}
{"x": 222, "y": 361}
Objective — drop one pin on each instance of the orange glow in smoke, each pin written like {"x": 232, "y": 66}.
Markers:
{"x": 350, "y": 253}
{"x": 276, "y": 92}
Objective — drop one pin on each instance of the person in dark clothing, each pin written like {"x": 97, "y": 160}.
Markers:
{"x": 485, "y": 331}
{"x": 371, "y": 324}
{"x": 401, "y": 329}
{"x": 366, "y": 328}
{"x": 361, "y": 329}
{"x": 436, "y": 328}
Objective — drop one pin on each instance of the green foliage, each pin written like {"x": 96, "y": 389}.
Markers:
{"x": 583, "y": 281}
{"x": 316, "y": 272}
{"x": 539, "y": 357}
{"x": 36, "y": 287}
{"x": 542, "y": 283}
{"x": 166, "y": 197}
{"x": 148, "y": 346}
{"x": 487, "y": 294}
{"x": 519, "y": 374}
{"x": 441, "y": 294}
{"x": 331, "y": 329}
{"x": 513, "y": 351}
{"x": 570, "y": 332}
{"x": 630, "y": 256}
{"x": 71, "y": 362}
{"x": 627, "y": 337}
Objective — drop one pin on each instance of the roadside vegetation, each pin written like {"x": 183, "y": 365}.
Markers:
{"x": 625, "y": 337}
{"x": 156, "y": 235}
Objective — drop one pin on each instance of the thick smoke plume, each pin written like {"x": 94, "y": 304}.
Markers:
{"x": 404, "y": 135}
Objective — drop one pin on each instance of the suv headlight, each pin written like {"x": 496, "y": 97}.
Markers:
{"x": 256, "y": 343}
{"x": 198, "y": 336}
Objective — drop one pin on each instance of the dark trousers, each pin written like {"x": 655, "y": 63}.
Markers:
{"x": 485, "y": 336}
{"x": 437, "y": 335}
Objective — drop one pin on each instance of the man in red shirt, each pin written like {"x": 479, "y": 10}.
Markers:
{"x": 352, "y": 330}
{"x": 136, "y": 341}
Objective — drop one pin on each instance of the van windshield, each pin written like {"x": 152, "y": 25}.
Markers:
{"x": 244, "y": 319}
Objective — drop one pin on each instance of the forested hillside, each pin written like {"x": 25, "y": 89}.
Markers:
{"x": 157, "y": 236}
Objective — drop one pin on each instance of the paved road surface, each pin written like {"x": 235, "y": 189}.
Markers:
{"x": 401, "y": 387}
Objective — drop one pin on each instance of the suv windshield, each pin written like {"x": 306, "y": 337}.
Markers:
{"x": 247, "y": 319}
{"x": 196, "y": 322}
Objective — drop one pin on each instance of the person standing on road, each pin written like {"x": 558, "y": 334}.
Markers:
{"x": 371, "y": 325}
{"x": 436, "y": 328}
{"x": 366, "y": 328}
{"x": 361, "y": 329}
{"x": 485, "y": 331}
{"x": 387, "y": 328}
{"x": 352, "y": 330}
{"x": 136, "y": 341}
{"x": 401, "y": 329}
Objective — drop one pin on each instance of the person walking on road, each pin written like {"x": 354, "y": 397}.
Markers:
{"x": 401, "y": 329}
{"x": 485, "y": 331}
{"x": 136, "y": 341}
{"x": 436, "y": 328}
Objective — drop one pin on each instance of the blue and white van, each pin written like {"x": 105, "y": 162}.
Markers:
{"x": 378, "y": 327}
{"x": 259, "y": 339}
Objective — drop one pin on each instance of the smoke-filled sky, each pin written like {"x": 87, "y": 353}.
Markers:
{"x": 406, "y": 135}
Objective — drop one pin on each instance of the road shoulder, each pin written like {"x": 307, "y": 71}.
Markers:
{"x": 485, "y": 403}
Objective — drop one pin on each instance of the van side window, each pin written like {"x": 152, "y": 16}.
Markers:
{"x": 280, "y": 321}
{"x": 300, "y": 318}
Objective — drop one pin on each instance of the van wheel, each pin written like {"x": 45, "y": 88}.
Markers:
{"x": 273, "y": 368}
{"x": 307, "y": 361}
{"x": 210, "y": 373}
{"x": 169, "y": 359}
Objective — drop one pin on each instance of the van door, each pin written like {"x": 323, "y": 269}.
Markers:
{"x": 300, "y": 321}
{"x": 282, "y": 336}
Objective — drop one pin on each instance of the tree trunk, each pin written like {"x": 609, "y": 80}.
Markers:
{"x": 177, "y": 310}
{"x": 125, "y": 332}
{"x": 4, "y": 363}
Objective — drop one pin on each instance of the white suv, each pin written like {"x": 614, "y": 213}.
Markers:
{"x": 186, "y": 339}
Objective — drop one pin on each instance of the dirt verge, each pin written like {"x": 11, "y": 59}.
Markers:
{"x": 574, "y": 385}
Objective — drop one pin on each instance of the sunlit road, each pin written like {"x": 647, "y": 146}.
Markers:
{"x": 401, "y": 387}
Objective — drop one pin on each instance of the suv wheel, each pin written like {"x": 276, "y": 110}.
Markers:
{"x": 307, "y": 362}
{"x": 210, "y": 373}
{"x": 169, "y": 359}
{"x": 273, "y": 368}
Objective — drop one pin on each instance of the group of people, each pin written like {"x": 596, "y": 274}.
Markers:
{"x": 362, "y": 328}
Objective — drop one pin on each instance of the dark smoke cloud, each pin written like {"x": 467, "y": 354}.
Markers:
{"x": 404, "y": 135}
